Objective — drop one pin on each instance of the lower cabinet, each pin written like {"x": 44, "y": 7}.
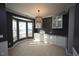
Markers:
{"x": 57, "y": 40}
{"x": 51, "y": 39}
{"x": 4, "y": 48}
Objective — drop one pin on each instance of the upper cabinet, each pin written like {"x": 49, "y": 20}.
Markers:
{"x": 57, "y": 22}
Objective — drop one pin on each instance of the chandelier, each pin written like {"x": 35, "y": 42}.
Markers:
{"x": 38, "y": 20}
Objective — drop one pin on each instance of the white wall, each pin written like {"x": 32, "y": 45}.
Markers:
{"x": 71, "y": 29}
{"x": 4, "y": 48}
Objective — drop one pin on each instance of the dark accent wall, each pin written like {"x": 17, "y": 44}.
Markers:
{"x": 35, "y": 30}
{"x": 47, "y": 24}
{"x": 3, "y": 22}
{"x": 9, "y": 29}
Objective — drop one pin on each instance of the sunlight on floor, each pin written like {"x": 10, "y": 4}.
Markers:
{"x": 36, "y": 40}
{"x": 33, "y": 48}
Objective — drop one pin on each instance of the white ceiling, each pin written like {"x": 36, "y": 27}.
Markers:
{"x": 46, "y": 9}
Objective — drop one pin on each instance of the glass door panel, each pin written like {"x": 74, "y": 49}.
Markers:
{"x": 30, "y": 29}
{"x": 22, "y": 30}
{"x": 14, "y": 26}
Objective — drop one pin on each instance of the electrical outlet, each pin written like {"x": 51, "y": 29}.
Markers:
{"x": 1, "y": 36}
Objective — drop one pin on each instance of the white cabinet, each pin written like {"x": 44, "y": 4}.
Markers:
{"x": 57, "y": 40}
{"x": 36, "y": 36}
{"x": 4, "y": 48}
{"x": 52, "y": 39}
{"x": 61, "y": 41}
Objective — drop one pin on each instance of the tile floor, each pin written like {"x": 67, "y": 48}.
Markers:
{"x": 31, "y": 48}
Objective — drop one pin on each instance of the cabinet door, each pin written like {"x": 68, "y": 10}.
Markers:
{"x": 61, "y": 41}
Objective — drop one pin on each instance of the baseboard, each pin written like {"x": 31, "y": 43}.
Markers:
{"x": 67, "y": 53}
{"x": 75, "y": 52}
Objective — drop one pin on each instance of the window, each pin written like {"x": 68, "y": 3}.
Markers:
{"x": 57, "y": 22}
{"x": 22, "y": 29}
{"x": 14, "y": 26}
{"x": 30, "y": 29}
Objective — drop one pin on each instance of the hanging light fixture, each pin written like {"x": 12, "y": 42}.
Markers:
{"x": 38, "y": 20}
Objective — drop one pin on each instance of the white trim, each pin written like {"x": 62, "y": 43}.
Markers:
{"x": 67, "y": 53}
{"x": 21, "y": 18}
{"x": 75, "y": 52}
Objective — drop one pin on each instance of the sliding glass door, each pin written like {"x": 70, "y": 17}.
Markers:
{"x": 30, "y": 29}
{"x": 14, "y": 26}
{"x": 22, "y": 29}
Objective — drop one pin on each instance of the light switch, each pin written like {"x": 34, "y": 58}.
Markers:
{"x": 1, "y": 36}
